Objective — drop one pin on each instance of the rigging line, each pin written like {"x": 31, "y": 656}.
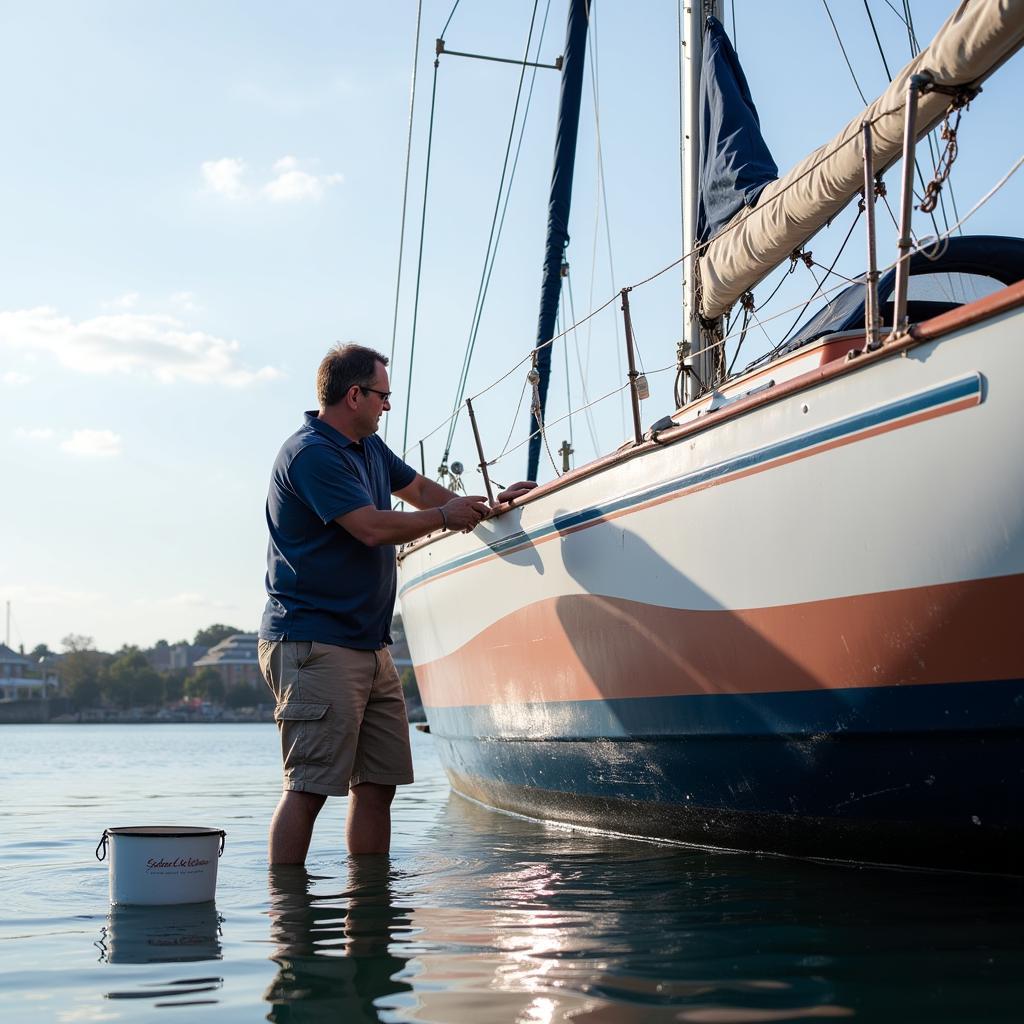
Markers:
{"x": 752, "y": 314}
{"x": 888, "y": 3}
{"x": 568, "y": 383}
{"x": 839, "y": 40}
{"x": 735, "y": 45}
{"x": 553, "y": 423}
{"x": 981, "y": 202}
{"x": 450, "y": 16}
{"x": 888, "y": 75}
{"x": 405, "y": 192}
{"x": 579, "y": 364}
{"x": 515, "y": 420}
{"x": 878, "y": 42}
{"x": 814, "y": 295}
{"x": 915, "y": 48}
{"x": 492, "y": 239}
{"x": 933, "y": 149}
{"x": 592, "y": 55}
{"x": 419, "y": 258}
{"x": 529, "y": 356}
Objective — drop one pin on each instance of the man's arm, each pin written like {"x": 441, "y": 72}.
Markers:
{"x": 425, "y": 493}
{"x": 374, "y": 526}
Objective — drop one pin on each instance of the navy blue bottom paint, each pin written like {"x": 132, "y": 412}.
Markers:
{"x": 929, "y": 776}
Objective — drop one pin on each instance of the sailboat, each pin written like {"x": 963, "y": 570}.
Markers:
{"x": 850, "y": 686}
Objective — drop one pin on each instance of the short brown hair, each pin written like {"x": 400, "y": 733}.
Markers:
{"x": 344, "y": 367}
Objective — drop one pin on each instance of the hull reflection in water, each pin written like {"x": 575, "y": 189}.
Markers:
{"x": 498, "y": 919}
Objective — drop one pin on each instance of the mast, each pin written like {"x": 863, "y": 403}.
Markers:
{"x": 692, "y": 15}
{"x": 558, "y": 207}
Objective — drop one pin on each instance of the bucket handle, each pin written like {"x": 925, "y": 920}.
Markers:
{"x": 101, "y": 846}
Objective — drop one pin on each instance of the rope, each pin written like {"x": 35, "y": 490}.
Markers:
{"x": 983, "y": 200}
{"x": 495, "y": 232}
{"x": 538, "y": 415}
{"x": 405, "y": 192}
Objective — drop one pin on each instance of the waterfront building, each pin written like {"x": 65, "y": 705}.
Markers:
{"x": 235, "y": 659}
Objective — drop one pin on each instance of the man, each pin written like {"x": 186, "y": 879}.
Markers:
{"x": 331, "y": 592}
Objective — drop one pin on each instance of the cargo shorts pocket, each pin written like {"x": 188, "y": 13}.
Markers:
{"x": 305, "y": 738}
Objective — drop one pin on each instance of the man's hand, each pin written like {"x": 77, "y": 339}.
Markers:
{"x": 465, "y": 513}
{"x": 517, "y": 490}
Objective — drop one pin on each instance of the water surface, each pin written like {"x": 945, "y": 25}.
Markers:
{"x": 476, "y": 916}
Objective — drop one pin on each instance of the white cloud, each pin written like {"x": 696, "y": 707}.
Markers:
{"x": 14, "y": 379}
{"x": 286, "y": 163}
{"x": 36, "y": 593}
{"x": 289, "y": 183}
{"x": 186, "y": 302}
{"x": 127, "y": 301}
{"x": 155, "y": 345}
{"x": 101, "y": 443}
{"x": 33, "y": 433}
{"x": 224, "y": 177}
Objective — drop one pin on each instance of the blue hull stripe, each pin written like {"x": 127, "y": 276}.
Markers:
{"x": 866, "y": 711}
{"x": 944, "y": 394}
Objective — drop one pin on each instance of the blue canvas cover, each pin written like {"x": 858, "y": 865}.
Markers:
{"x": 735, "y": 161}
{"x": 997, "y": 256}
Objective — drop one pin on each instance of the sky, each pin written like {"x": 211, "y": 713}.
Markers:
{"x": 198, "y": 199}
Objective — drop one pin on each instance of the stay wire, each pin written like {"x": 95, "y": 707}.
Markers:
{"x": 839, "y": 40}
{"x": 888, "y": 75}
{"x": 405, "y": 192}
{"x": 915, "y": 49}
{"x": 496, "y": 226}
{"x": 817, "y": 291}
{"x": 579, "y": 363}
{"x": 592, "y": 55}
{"x": 419, "y": 258}
{"x": 450, "y": 16}
{"x": 568, "y": 382}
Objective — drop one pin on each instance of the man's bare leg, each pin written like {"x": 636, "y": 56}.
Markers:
{"x": 292, "y": 826}
{"x": 368, "y": 829}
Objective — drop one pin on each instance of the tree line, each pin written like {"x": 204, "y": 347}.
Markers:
{"x": 127, "y": 678}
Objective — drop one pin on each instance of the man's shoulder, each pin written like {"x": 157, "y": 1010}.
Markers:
{"x": 376, "y": 446}
{"x": 305, "y": 439}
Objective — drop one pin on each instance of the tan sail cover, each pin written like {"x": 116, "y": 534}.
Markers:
{"x": 976, "y": 39}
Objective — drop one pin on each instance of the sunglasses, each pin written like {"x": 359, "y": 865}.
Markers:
{"x": 384, "y": 395}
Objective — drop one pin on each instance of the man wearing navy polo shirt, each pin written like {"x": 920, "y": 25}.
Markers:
{"x": 331, "y": 593}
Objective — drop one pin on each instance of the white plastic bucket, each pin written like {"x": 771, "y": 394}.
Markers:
{"x": 154, "y": 865}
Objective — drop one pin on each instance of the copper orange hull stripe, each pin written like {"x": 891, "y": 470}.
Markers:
{"x": 587, "y": 647}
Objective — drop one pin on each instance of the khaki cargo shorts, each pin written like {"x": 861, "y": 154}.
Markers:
{"x": 340, "y": 714}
